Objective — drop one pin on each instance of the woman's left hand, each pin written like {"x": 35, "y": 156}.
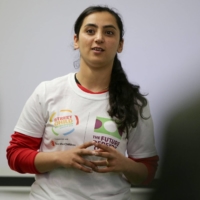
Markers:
{"x": 114, "y": 161}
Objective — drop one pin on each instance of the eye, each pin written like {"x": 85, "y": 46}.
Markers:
{"x": 90, "y": 31}
{"x": 109, "y": 33}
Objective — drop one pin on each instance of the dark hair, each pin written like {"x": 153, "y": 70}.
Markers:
{"x": 125, "y": 99}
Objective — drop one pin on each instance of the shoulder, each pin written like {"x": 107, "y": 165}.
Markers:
{"x": 55, "y": 86}
{"x": 59, "y": 81}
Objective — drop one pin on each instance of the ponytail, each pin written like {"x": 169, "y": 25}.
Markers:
{"x": 126, "y": 102}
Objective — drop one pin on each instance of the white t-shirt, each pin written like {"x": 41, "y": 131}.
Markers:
{"x": 65, "y": 116}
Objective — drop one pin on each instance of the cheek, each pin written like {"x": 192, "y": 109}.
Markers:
{"x": 113, "y": 45}
{"x": 85, "y": 41}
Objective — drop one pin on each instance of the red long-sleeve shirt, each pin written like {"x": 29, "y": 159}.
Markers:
{"x": 22, "y": 151}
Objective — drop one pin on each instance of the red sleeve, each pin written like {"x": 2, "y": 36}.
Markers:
{"x": 151, "y": 163}
{"x": 21, "y": 153}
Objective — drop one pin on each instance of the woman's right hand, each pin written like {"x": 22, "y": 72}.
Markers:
{"x": 75, "y": 158}
{"x": 72, "y": 158}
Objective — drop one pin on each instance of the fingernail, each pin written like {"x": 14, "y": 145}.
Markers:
{"x": 95, "y": 143}
{"x": 94, "y": 153}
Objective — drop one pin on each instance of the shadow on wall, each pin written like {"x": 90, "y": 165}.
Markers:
{"x": 180, "y": 169}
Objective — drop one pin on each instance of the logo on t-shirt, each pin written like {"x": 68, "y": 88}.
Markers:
{"x": 107, "y": 126}
{"x": 63, "y": 122}
{"x": 107, "y": 132}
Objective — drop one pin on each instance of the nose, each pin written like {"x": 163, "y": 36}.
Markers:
{"x": 99, "y": 37}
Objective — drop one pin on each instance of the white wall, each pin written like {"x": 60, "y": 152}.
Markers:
{"x": 161, "y": 53}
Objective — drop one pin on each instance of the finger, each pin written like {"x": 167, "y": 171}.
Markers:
{"x": 85, "y": 163}
{"x": 82, "y": 168}
{"x": 104, "y": 170}
{"x": 82, "y": 152}
{"x": 103, "y": 147}
{"x": 89, "y": 164}
{"x": 99, "y": 150}
{"x": 86, "y": 145}
{"x": 104, "y": 155}
{"x": 101, "y": 163}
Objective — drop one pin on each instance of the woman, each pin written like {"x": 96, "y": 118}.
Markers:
{"x": 83, "y": 124}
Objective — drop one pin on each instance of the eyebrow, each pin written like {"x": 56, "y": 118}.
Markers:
{"x": 106, "y": 26}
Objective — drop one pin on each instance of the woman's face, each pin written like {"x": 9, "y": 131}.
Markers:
{"x": 99, "y": 40}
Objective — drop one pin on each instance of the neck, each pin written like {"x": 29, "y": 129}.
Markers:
{"x": 94, "y": 79}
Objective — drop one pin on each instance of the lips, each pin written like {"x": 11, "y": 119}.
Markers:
{"x": 98, "y": 49}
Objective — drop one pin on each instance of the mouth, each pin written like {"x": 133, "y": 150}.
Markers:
{"x": 98, "y": 49}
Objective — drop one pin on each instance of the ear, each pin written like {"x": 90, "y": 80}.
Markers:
{"x": 76, "y": 45}
{"x": 120, "y": 47}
